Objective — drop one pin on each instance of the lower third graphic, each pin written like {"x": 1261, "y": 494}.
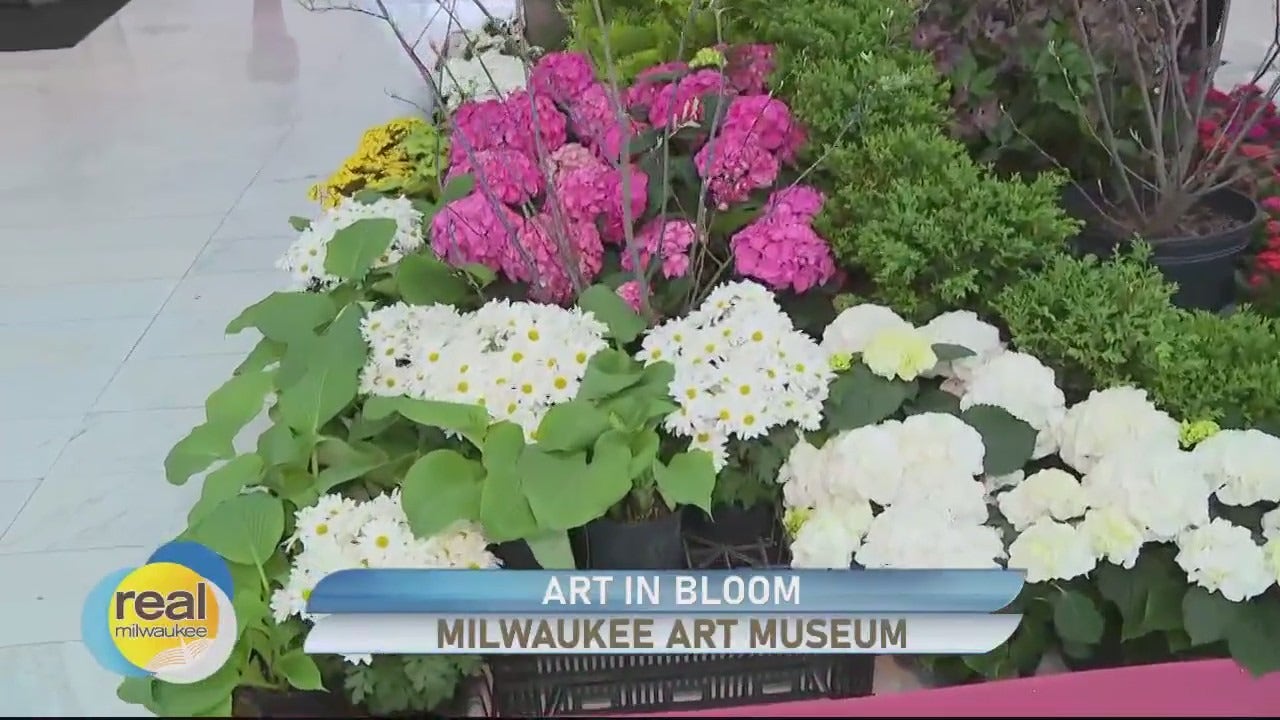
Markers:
{"x": 171, "y": 619}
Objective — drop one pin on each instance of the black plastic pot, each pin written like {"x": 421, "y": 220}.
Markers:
{"x": 515, "y": 555}
{"x": 1203, "y": 266}
{"x": 650, "y": 545}
{"x": 732, "y": 524}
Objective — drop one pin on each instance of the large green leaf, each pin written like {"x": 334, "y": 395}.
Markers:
{"x": 1254, "y": 640}
{"x": 1149, "y": 596}
{"x": 860, "y": 397}
{"x": 344, "y": 461}
{"x": 469, "y": 421}
{"x": 332, "y": 379}
{"x": 425, "y": 280}
{"x": 608, "y": 372}
{"x": 300, "y": 670}
{"x": 609, "y": 308}
{"x": 687, "y": 480}
{"x": 286, "y": 316}
{"x": 245, "y": 529}
{"x": 225, "y": 483}
{"x": 1076, "y": 618}
{"x": 1208, "y": 616}
{"x": 197, "y": 698}
{"x": 504, "y": 510}
{"x": 566, "y": 492}
{"x": 572, "y": 426}
{"x": 552, "y": 550}
{"x": 440, "y": 489}
{"x": 238, "y": 401}
{"x": 202, "y": 447}
{"x": 355, "y": 248}
{"x": 1010, "y": 442}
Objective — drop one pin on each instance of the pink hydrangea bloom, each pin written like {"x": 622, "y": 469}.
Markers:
{"x": 649, "y": 82}
{"x": 507, "y": 124}
{"x": 609, "y": 144}
{"x": 768, "y": 120}
{"x": 1272, "y": 205}
{"x": 510, "y": 175}
{"x": 630, "y": 293}
{"x": 613, "y": 222}
{"x": 473, "y": 230}
{"x": 783, "y": 252}
{"x": 572, "y": 156}
{"x": 592, "y": 110}
{"x": 748, "y": 67}
{"x": 583, "y": 192}
{"x": 551, "y": 124}
{"x": 799, "y": 201}
{"x": 669, "y": 241}
{"x": 561, "y": 76}
{"x": 733, "y": 166}
{"x": 549, "y": 278}
{"x": 477, "y": 125}
{"x": 682, "y": 102}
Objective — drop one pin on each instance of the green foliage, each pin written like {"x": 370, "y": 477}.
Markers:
{"x": 1105, "y": 324}
{"x": 394, "y": 684}
{"x": 928, "y": 228}
{"x": 639, "y": 33}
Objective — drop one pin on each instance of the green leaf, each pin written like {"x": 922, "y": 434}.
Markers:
{"x": 202, "y": 447}
{"x": 137, "y": 691}
{"x": 1254, "y": 640}
{"x": 286, "y": 316}
{"x": 934, "y": 400}
{"x": 1208, "y": 616}
{"x": 300, "y": 670}
{"x": 687, "y": 480}
{"x": 355, "y": 248}
{"x": 277, "y": 445}
{"x": 1010, "y": 442}
{"x": 860, "y": 397}
{"x": 264, "y": 353}
{"x": 459, "y": 187}
{"x": 238, "y": 401}
{"x": 644, "y": 452}
{"x": 482, "y": 275}
{"x": 571, "y": 426}
{"x": 552, "y": 550}
{"x": 191, "y": 699}
{"x": 565, "y": 492}
{"x": 251, "y": 608}
{"x": 504, "y": 510}
{"x": 609, "y": 372}
{"x": 225, "y": 483}
{"x": 332, "y": 378}
{"x": 947, "y": 352}
{"x": 245, "y": 529}
{"x": 424, "y": 280}
{"x": 1076, "y": 618}
{"x": 469, "y": 421}
{"x": 623, "y": 322}
{"x": 440, "y": 489}
{"x": 300, "y": 224}
{"x": 1149, "y": 596}
{"x": 346, "y": 462}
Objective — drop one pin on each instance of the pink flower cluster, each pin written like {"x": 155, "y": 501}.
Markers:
{"x": 781, "y": 248}
{"x": 758, "y": 135}
{"x": 667, "y": 240}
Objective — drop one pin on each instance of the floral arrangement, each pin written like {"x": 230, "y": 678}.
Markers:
{"x": 1130, "y": 525}
{"x": 482, "y": 65}
{"x": 306, "y": 258}
{"x": 402, "y": 155}
{"x": 339, "y": 533}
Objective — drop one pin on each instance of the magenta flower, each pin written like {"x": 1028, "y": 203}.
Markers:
{"x": 613, "y": 226}
{"x": 553, "y": 246}
{"x": 748, "y": 67}
{"x": 734, "y": 166}
{"x": 1272, "y": 205}
{"x": 650, "y": 82}
{"x": 682, "y": 102}
{"x": 473, "y": 230}
{"x": 784, "y": 253}
{"x": 561, "y": 76}
{"x": 510, "y": 175}
{"x": 572, "y": 156}
{"x": 630, "y": 293}
{"x": 799, "y": 201}
{"x": 669, "y": 241}
{"x": 768, "y": 121}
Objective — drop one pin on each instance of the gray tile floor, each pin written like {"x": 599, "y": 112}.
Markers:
{"x": 146, "y": 178}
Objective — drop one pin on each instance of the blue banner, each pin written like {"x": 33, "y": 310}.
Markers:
{"x": 787, "y": 592}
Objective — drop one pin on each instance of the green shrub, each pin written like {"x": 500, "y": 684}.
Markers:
{"x": 1102, "y": 324}
{"x": 930, "y": 229}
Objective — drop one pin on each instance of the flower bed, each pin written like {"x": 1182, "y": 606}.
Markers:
{"x": 569, "y": 313}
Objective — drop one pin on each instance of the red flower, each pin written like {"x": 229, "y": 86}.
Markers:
{"x": 1254, "y": 151}
{"x": 1269, "y": 259}
{"x": 1273, "y": 229}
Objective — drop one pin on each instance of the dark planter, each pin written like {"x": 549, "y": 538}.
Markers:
{"x": 650, "y": 545}
{"x": 544, "y": 25}
{"x": 250, "y": 702}
{"x": 1203, "y": 266}
{"x": 515, "y": 555}
{"x": 733, "y": 524}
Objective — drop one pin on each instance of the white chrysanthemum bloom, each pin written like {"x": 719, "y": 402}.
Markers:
{"x": 1026, "y": 388}
{"x": 830, "y": 535}
{"x": 741, "y": 369}
{"x": 1223, "y": 557}
{"x": 1114, "y": 536}
{"x": 939, "y": 442}
{"x": 1271, "y": 524}
{"x": 962, "y": 497}
{"x": 963, "y": 328}
{"x": 853, "y": 328}
{"x": 806, "y": 476}
{"x": 1049, "y": 493}
{"x": 484, "y": 76}
{"x": 304, "y": 260}
{"x": 1243, "y": 466}
{"x": 909, "y": 536}
{"x": 1110, "y": 419}
{"x": 1050, "y": 550}
{"x": 871, "y": 460}
{"x": 995, "y": 483}
{"x": 515, "y": 359}
{"x": 903, "y": 353}
{"x": 1161, "y": 489}
{"x": 374, "y": 534}
{"x": 1271, "y": 552}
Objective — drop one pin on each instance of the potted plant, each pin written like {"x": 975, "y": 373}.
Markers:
{"x": 1147, "y": 106}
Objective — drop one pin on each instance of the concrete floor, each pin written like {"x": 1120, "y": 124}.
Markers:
{"x": 146, "y": 178}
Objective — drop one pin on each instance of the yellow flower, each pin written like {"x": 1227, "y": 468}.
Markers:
{"x": 794, "y": 519}
{"x": 901, "y": 352}
{"x": 707, "y": 57}
{"x": 380, "y": 157}
{"x": 840, "y": 361}
{"x": 1194, "y": 432}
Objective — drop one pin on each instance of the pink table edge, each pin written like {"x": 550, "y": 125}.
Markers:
{"x": 1213, "y": 688}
